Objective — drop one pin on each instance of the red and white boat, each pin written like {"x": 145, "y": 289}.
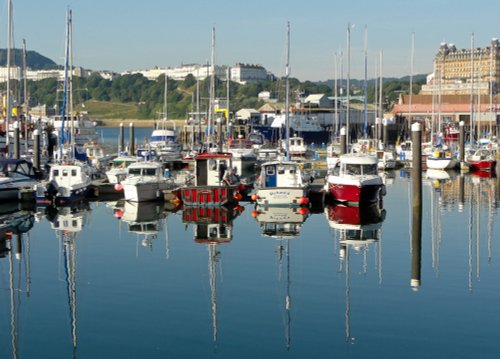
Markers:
{"x": 355, "y": 179}
{"x": 481, "y": 159}
{"x": 214, "y": 183}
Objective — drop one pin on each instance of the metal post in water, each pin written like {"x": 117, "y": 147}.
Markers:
{"x": 36, "y": 149}
{"x": 121, "y": 142}
{"x": 17, "y": 147}
{"x": 343, "y": 141}
{"x": 416, "y": 232}
{"x": 132, "y": 140}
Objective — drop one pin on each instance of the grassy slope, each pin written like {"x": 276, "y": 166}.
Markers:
{"x": 111, "y": 110}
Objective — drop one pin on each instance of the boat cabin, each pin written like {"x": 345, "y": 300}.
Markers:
{"x": 281, "y": 174}
{"x": 150, "y": 169}
{"x": 211, "y": 169}
{"x": 352, "y": 165}
{"x": 67, "y": 175}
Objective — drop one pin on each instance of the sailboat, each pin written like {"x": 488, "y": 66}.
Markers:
{"x": 164, "y": 137}
{"x": 281, "y": 182}
{"x": 69, "y": 178}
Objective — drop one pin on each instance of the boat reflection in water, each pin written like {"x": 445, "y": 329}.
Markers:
{"x": 67, "y": 223}
{"x": 357, "y": 228}
{"x": 212, "y": 226}
{"x": 280, "y": 222}
{"x": 146, "y": 220}
{"x": 283, "y": 224}
{"x": 15, "y": 244}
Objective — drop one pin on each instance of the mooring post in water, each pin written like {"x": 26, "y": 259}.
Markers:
{"x": 416, "y": 225}
{"x": 461, "y": 193}
{"x": 132, "y": 140}
{"x": 17, "y": 147}
{"x": 385, "y": 137}
{"x": 461, "y": 144}
{"x": 19, "y": 247}
{"x": 36, "y": 149}
{"x": 343, "y": 141}
{"x": 219, "y": 134}
{"x": 121, "y": 142}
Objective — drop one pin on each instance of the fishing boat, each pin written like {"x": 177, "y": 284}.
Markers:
{"x": 355, "y": 179}
{"x": 281, "y": 183}
{"x": 15, "y": 175}
{"x": 144, "y": 182}
{"x": 481, "y": 159}
{"x": 214, "y": 183}
{"x": 297, "y": 146}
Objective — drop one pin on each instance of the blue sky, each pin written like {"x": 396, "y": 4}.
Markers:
{"x": 122, "y": 35}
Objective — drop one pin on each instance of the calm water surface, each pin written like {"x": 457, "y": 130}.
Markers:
{"x": 113, "y": 280}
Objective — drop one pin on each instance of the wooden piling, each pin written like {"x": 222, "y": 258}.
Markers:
{"x": 17, "y": 147}
{"x": 121, "y": 142}
{"x": 36, "y": 150}
{"x": 343, "y": 141}
{"x": 416, "y": 225}
{"x": 132, "y": 140}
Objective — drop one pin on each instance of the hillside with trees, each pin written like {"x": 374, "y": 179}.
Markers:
{"x": 34, "y": 60}
{"x": 134, "y": 96}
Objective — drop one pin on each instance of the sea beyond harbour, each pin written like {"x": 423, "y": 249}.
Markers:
{"x": 108, "y": 279}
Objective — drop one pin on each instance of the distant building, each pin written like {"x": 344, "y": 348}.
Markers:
{"x": 317, "y": 101}
{"x": 200, "y": 72}
{"x": 267, "y": 96}
{"x": 245, "y": 73}
{"x": 460, "y": 71}
{"x": 38, "y": 75}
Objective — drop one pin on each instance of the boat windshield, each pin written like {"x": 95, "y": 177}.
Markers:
{"x": 358, "y": 169}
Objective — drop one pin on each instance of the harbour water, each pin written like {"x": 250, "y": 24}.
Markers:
{"x": 115, "y": 280}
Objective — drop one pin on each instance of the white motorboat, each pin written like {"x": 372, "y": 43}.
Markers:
{"x": 144, "y": 182}
{"x": 441, "y": 160}
{"x": 355, "y": 179}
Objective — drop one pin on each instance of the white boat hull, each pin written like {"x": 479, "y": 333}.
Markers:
{"x": 281, "y": 196}
{"x": 144, "y": 192}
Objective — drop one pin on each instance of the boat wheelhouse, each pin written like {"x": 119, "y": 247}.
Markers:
{"x": 144, "y": 182}
{"x": 215, "y": 182}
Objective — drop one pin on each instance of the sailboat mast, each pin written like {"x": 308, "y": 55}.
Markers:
{"x": 7, "y": 96}
{"x": 165, "y": 89}
{"x": 411, "y": 79}
{"x": 26, "y": 100}
{"x": 70, "y": 80}
{"x": 335, "y": 94}
{"x": 212, "y": 88}
{"x": 347, "y": 120}
{"x": 228, "y": 75}
{"x": 65, "y": 93}
{"x": 472, "y": 88}
{"x": 365, "y": 92}
{"x": 287, "y": 93}
{"x": 381, "y": 88}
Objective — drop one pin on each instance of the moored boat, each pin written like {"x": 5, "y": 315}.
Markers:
{"x": 144, "y": 182}
{"x": 355, "y": 179}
